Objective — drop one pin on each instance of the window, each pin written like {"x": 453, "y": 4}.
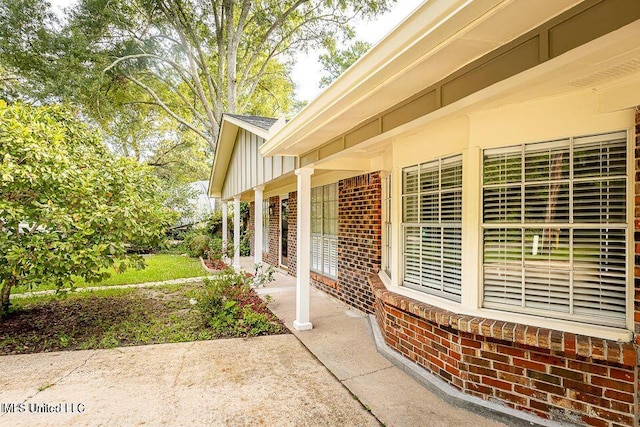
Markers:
{"x": 265, "y": 226}
{"x": 387, "y": 225}
{"x": 554, "y": 228}
{"x": 324, "y": 230}
{"x": 431, "y": 219}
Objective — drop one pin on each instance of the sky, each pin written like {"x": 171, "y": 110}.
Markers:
{"x": 307, "y": 71}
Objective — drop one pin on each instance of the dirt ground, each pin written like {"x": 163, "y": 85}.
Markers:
{"x": 270, "y": 381}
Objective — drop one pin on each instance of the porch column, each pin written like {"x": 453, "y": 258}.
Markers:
{"x": 303, "y": 250}
{"x": 225, "y": 230}
{"x": 257, "y": 236}
{"x": 236, "y": 232}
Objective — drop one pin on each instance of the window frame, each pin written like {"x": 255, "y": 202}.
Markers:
{"x": 323, "y": 223}
{"x": 387, "y": 224}
{"x": 444, "y": 226}
{"x": 523, "y": 225}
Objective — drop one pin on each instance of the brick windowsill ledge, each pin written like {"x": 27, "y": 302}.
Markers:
{"x": 557, "y": 341}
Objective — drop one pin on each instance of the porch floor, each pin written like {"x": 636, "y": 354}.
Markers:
{"x": 341, "y": 339}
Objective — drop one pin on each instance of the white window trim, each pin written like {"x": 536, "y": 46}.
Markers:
{"x": 387, "y": 240}
{"x": 323, "y": 237}
{"x": 442, "y": 225}
{"x": 472, "y": 270}
{"x": 569, "y": 225}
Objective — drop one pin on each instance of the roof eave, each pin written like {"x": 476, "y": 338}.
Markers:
{"x": 438, "y": 19}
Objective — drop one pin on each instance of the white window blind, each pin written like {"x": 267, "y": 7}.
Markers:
{"x": 324, "y": 230}
{"x": 554, "y": 228}
{"x": 431, "y": 219}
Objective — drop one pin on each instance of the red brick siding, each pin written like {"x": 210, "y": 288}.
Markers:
{"x": 272, "y": 257}
{"x": 553, "y": 374}
{"x": 292, "y": 234}
{"x": 359, "y": 241}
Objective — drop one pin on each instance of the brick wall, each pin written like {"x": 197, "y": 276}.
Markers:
{"x": 273, "y": 229}
{"x": 292, "y": 242}
{"x": 552, "y": 374}
{"x": 359, "y": 241}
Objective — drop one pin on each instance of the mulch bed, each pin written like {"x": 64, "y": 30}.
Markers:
{"x": 84, "y": 321}
{"x": 216, "y": 264}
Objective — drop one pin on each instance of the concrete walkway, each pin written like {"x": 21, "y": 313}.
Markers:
{"x": 341, "y": 340}
{"x": 268, "y": 381}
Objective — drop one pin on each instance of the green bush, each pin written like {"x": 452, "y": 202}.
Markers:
{"x": 221, "y": 308}
{"x": 199, "y": 245}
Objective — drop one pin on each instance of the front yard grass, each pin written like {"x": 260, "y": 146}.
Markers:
{"x": 123, "y": 317}
{"x": 159, "y": 267}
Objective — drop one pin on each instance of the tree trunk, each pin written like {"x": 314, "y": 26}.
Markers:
{"x": 5, "y": 292}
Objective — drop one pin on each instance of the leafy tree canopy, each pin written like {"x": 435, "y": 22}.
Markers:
{"x": 189, "y": 60}
{"x": 68, "y": 207}
{"x": 336, "y": 61}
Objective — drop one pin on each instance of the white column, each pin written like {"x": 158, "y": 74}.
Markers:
{"x": 236, "y": 232}
{"x": 303, "y": 251}
{"x": 471, "y": 223}
{"x": 225, "y": 229}
{"x": 257, "y": 236}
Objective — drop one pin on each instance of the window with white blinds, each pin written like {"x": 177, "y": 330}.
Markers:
{"x": 555, "y": 227}
{"x": 432, "y": 227}
{"x": 387, "y": 225}
{"x": 324, "y": 230}
{"x": 265, "y": 226}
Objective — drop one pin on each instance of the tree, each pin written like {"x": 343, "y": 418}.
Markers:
{"x": 335, "y": 61}
{"x": 68, "y": 207}
{"x": 191, "y": 60}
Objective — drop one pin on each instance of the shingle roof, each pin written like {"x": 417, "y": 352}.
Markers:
{"x": 261, "y": 122}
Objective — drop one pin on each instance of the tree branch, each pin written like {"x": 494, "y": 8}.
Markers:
{"x": 166, "y": 108}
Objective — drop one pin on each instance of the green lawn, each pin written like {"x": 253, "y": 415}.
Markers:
{"x": 159, "y": 268}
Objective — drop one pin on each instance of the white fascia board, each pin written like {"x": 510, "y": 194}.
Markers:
{"x": 439, "y": 38}
{"x": 435, "y": 21}
{"x": 224, "y": 150}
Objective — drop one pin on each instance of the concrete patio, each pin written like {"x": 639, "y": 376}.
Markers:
{"x": 341, "y": 339}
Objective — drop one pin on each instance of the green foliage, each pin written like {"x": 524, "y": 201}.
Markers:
{"x": 214, "y": 223}
{"x": 223, "y": 305}
{"x": 262, "y": 277}
{"x": 137, "y": 65}
{"x": 67, "y": 206}
{"x": 336, "y": 61}
{"x": 198, "y": 244}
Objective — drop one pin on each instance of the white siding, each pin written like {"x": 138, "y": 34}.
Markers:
{"x": 247, "y": 167}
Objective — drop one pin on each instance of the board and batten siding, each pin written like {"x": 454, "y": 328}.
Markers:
{"x": 248, "y": 169}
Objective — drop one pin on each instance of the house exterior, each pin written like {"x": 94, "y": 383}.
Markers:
{"x": 471, "y": 182}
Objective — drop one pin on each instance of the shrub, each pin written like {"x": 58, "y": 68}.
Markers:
{"x": 197, "y": 244}
{"x": 223, "y": 304}
{"x": 216, "y": 251}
